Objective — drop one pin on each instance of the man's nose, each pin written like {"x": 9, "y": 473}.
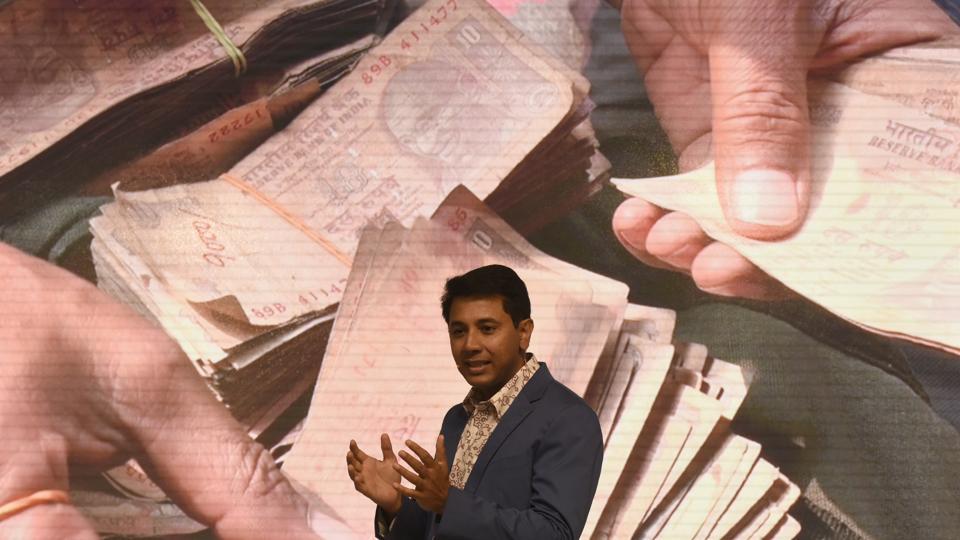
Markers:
{"x": 472, "y": 341}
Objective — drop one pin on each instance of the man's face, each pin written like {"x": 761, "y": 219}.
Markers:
{"x": 486, "y": 345}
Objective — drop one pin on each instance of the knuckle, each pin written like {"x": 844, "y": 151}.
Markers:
{"x": 767, "y": 114}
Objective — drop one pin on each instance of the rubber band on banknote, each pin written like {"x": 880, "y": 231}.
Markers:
{"x": 234, "y": 52}
{"x": 46, "y": 496}
{"x": 242, "y": 185}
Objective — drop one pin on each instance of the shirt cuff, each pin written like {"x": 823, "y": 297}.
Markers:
{"x": 380, "y": 522}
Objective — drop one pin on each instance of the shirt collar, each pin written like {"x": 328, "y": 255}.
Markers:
{"x": 504, "y": 397}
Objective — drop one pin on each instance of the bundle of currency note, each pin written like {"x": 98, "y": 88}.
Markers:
{"x": 880, "y": 245}
{"x": 122, "y": 76}
{"x": 262, "y": 250}
{"x": 253, "y": 368}
{"x": 562, "y": 28}
{"x": 224, "y": 134}
{"x": 672, "y": 467}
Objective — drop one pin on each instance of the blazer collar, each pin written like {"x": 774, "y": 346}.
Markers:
{"x": 522, "y": 406}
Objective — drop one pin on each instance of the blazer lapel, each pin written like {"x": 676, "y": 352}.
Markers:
{"x": 451, "y": 435}
{"x": 522, "y": 406}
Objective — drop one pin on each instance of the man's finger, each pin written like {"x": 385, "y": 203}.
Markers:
{"x": 719, "y": 269}
{"x": 632, "y": 223}
{"x": 386, "y": 447}
{"x": 352, "y": 460}
{"x": 424, "y": 456}
{"x": 202, "y": 457}
{"x": 677, "y": 239}
{"x": 409, "y": 475}
{"x": 412, "y": 493}
{"x": 358, "y": 454}
{"x": 760, "y": 52}
{"x": 441, "y": 455}
{"x": 414, "y": 464}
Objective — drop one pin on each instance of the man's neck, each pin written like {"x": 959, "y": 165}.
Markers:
{"x": 484, "y": 397}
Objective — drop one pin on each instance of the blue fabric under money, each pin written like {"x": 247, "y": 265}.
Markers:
{"x": 952, "y": 7}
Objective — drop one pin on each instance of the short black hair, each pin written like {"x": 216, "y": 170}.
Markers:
{"x": 492, "y": 280}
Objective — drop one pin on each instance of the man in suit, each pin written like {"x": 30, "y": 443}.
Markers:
{"x": 519, "y": 458}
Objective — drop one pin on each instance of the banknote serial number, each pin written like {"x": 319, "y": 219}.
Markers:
{"x": 305, "y": 298}
{"x": 440, "y": 14}
{"x": 234, "y": 125}
{"x": 376, "y": 69}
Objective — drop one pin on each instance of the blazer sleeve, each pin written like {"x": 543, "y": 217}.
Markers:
{"x": 566, "y": 470}
{"x": 411, "y": 523}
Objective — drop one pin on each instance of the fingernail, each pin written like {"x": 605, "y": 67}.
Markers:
{"x": 764, "y": 197}
{"x": 631, "y": 239}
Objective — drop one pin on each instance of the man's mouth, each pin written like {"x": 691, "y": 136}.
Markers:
{"x": 476, "y": 367}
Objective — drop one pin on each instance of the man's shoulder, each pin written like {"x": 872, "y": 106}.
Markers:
{"x": 564, "y": 399}
{"x": 565, "y": 403}
{"x": 564, "y": 416}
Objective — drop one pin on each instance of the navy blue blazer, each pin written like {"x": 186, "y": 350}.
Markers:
{"x": 534, "y": 479}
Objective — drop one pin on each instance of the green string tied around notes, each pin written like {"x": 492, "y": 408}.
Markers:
{"x": 234, "y": 52}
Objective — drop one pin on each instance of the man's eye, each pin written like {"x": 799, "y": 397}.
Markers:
{"x": 488, "y": 329}
{"x": 456, "y": 333}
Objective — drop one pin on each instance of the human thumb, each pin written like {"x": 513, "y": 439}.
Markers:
{"x": 759, "y": 57}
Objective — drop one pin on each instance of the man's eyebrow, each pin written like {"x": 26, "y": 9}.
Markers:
{"x": 486, "y": 320}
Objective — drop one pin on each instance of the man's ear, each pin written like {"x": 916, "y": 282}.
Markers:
{"x": 526, "y": 330}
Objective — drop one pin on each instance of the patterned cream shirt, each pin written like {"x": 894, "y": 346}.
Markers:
{"x": 484, "y": 417}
